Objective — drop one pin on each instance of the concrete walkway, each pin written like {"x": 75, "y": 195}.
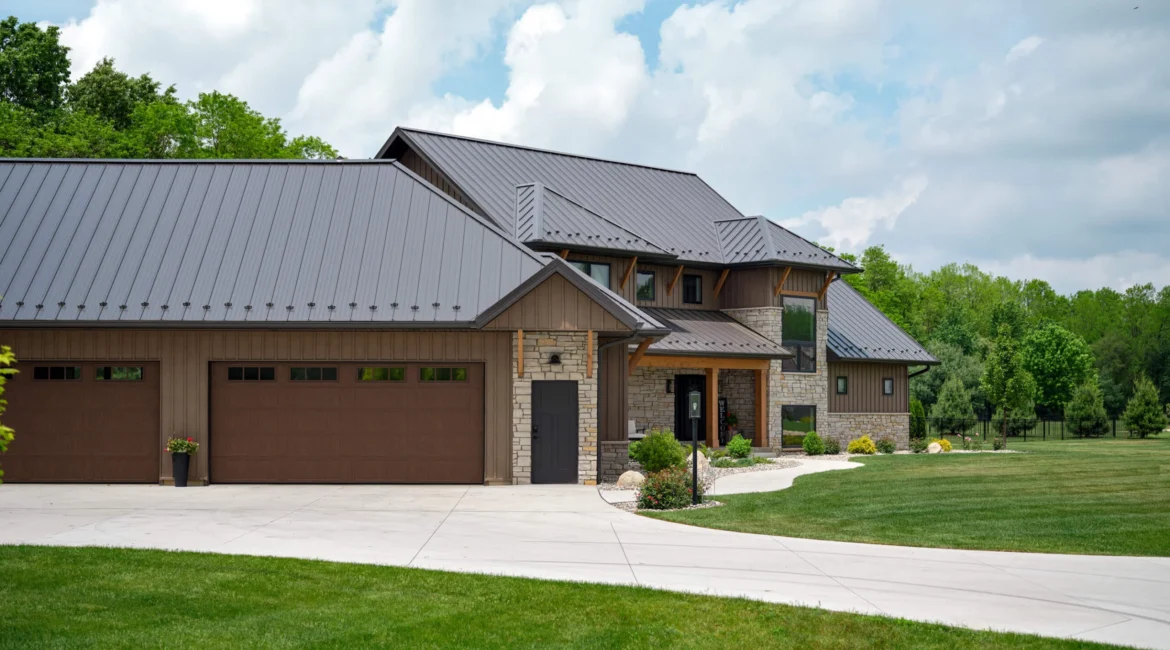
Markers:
{"x": 569, "y": 532}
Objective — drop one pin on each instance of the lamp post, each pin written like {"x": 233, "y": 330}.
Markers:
{"x": 694, "y": 410}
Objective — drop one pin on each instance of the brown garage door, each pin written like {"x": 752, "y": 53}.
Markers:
{"x": 83, "y": 422}
{"x": 325, "y": 422}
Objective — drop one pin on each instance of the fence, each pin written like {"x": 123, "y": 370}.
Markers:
{"x": 1024, "y": 429}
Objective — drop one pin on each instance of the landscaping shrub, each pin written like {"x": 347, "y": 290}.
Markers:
{"x": 658, "y": 451}
{"x": 813, "y": 445}
{"x": 862, "y": 445}
{"x": 667, "y": 490}
{"x": 917, "y": 419}
{"x": 944, "y": 443}
{"x": 998, "y": 443}
{"x": 832, "y": 446}
{"x": 918, "y": 445}
{"x": 972, "y": 443}
{"x": 738, "y": 447}
{"x": 885, "y": 446}
{"x": 739, "y": 462}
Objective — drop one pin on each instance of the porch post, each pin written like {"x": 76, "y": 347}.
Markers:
{"x": 712, "y": 408}
{"x": 761, "y": 408}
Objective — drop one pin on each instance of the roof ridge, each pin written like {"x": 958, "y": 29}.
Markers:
{"x": 206, "y": 161}
{"x": 540, "y": 187}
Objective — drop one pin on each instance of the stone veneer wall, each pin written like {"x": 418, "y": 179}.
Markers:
{"x": 846, "y": 426}
{"x": 538, "y": 346}
{"x": 651, "y": 406}
{"x": 739, "y": 387}
{"x": 615, "y": 459}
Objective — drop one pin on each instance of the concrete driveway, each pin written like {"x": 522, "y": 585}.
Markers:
{"x": 568, "y": 532}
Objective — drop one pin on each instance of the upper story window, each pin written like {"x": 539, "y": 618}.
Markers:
{"x": 599, "y": 271}
{"x": 692, "y": 289}
{"x": 644, "y": 285}
{"x": 887, "y": 386}
{"x": 842, "y": 385}
{"x": 799, "y": 333}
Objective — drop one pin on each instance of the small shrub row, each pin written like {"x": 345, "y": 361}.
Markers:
{"x": 667, "y": 489}
{"x": 739, "y": 462}
{"x": 972, "y": 443}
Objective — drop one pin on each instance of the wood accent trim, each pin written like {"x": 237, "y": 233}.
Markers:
{"x": 519, "y": 353}
{"x": 629, "y": 272}
{"x": 761, "y": 439}
{"x": 636, "y": 357}
{"x": 589, "y": 354}
{"x": 722, "y": 279}
{"x": 802, "y": 294}
{"x": 783, "y": 279}
{"x": 564, "y": 253}
{"x": 724, "y": 363}
{"x": 674, "y": 280}
{"x": 712, "y": 408}
{"x": 829, "y": 277}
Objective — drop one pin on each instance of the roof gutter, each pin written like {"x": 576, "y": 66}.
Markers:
{"x": 256, "y": 325}
{"x": 925, "y": 369}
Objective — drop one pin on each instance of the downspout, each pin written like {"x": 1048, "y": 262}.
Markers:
{"x": 914, "y": 374}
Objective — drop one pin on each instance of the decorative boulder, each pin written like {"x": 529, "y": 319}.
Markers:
{"x": 704, "y": 464}
{"x": 934, "y": 448}
{"x": 630, "y": 479}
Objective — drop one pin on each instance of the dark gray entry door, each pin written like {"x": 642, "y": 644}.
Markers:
{"x": 554, "y": 432}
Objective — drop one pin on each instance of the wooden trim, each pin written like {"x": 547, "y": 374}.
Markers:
{"x": 636, "y": 357}
{"x": 802, "y": 294}
{"x": 564, "y": 253}
{"x": 719, "y": 283}
{"x": 519, "y": 353}
{"x": 783, "y": 279}
{"x": 680, "y": 361}
{"x": 829, "y": 277}
{"x": 712, "y": 408}
{"x": 629, "y": 271}
{"x": 589, "y": 354}
{"x": 761, "y": 439}
{"x": 674, "y": 280}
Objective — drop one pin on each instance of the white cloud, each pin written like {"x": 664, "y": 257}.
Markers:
{"x": 1024, "y": 48}
{"x": 850, "y": 225}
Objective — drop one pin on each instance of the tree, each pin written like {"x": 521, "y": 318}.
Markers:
{"x": 226, "y": 127}
{"x": 34, "y": 66}
{"x": 917, "y": 419}
{"x": 1144, "y": 415}
{"x": 952, "y": 413}
{"x": 1059, "y": 361}
{"x": 113, "y": 95}
{"x": 6, "y": 371}
{"x": 953, "y": 362}
{"x": 1006, "y": 383}
{"x": 1085, "y": 413}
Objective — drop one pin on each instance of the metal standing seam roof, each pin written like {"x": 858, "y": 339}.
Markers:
{"x": 701, "y": 332}
{"x": 544, "y": 215}
{"x": 791, "y": 247}
{"x": 859, "y": 331}
{"x": 244, "y": 241}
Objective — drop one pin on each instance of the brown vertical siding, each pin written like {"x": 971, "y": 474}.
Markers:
{"x": 185, "y": 355}
{"x": 555, "y": 304}
{"x": 865, "y": 388}
{"x": 754, "y": 287}
{"x": 613, "y": 402}
{"x": 415, "y": 163}
{"x": 662, "y": 277}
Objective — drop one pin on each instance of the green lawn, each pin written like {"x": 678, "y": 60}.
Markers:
{"x": 1109, "y": 497}
{"x": 115, "y": 598}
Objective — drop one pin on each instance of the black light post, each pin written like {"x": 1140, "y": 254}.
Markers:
{"x": 695, "y": 406}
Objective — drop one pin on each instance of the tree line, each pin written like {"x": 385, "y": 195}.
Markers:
{"x": 107, "y": 113}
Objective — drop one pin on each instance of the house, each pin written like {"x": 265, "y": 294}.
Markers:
{"x": 452, "y": 311}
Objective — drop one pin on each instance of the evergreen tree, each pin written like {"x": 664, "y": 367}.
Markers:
{"x": 1085, "y": 414}
{"x": 917, "y": 419}
{"x": 952, "y": 413}
{"x": 1144, "y": 415}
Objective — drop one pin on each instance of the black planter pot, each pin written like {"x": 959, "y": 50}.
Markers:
{"x": 180, "y": 463}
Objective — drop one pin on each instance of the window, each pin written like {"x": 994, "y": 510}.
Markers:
{"x": 57, "y": 373}
{"x": 251, "y": 373}
{"x": 693, "y": 289}
{"x": 442, "y": 374}
{"x": 644, "y": 284}
{"x": 799, "y": 333}
{"x": 597, "y": 270}
{"x": 887, "y": 386}
{"x": 327, "y": 373}
{"x": 382, "y": 374}
{"x": 119, "y": 373}
{"x": 842, "y": 385}
{"x": 796, "y": 422}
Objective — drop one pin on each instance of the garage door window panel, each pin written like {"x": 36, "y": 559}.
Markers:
{"x": 313, "y": 373}
{"x": 382, "y": 374}
{"x": 251, "y": 373}
{"x": 428, "y": 375}
{"x": 57, "y": 373}
{"x": 118, "y": 373}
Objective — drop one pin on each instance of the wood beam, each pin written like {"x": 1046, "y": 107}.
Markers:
{"x": 636, "y": 357}
{"x": 564, "y": 253}
{"x": 519, "y": 353}
{"x": 783, "y": 279}
{"x": 674, "y": 280}
{"x": 628, "y": 273}
{"x": 802, "y": 294}
{"x": 761, "y": 438}
{"x": 589, "y": 360}
{"x": 829, "y": 277}
{"x": 683, "y": 361}
{"x": 719, "y": 283}
{"x": 712, "y": 408}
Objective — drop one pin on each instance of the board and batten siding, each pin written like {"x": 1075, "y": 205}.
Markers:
{"x": 865, "y": 388}
{"x": 612, "y": 391}
{"x": 185, "y": 356}
{"x": 754, "y": 287}
{"x": 556, "y": 305}
{"x": 662, "y": 277}
{"x": 417, "y": 164}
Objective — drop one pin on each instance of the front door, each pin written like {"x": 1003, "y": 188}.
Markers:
{"x": 684, "y": 384}
{"x": 554, "y": 432}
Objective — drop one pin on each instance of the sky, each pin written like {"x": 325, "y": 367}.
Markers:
{"x": 1029, "y": 137}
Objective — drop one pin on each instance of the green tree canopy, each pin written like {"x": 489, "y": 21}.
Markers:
{"x": 953, "y": 362}
{"x": 34, "y": 66}
{"x": 952, "y": 413}
{"x": 112, "y": 95}
{"x": 1059, "y": 361}
{"x": 1144, "y": 416}
{"x": 1006, "y": 382}
{"x": 1085, "y": 413}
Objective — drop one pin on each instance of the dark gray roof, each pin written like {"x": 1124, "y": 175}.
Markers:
{"x": 546, "y": 216}
{"x": 245, "y": 241}
{"x": 791, "y": 247}
{"x": 859, "y": 331}
{"x": 710, "y": 333}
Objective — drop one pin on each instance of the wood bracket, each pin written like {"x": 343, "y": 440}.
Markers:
{"x": 783, "y": 279}
{"x": 589, "y": 354}
{"x": 629, "y": 272}
{"x": 829, "y": 277}
{"x": 639, "y": 353}
{"x": 719, "y": 283}
{"x": 674, "y": 280}
{"x": 564, "y": 253}
{"x": 519, "y": 353}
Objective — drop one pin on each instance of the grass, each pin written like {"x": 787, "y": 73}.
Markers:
{"x": 1105, "y": 497}
{"x": 117, "y": 598}
{"x": 728, "y": 461}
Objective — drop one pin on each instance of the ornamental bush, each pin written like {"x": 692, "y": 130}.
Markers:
{"x": 885, "y": 446}
{"x": 972, "y": 443}
{"x": 862, "y": 445}
{"x": 998, "y": 443}
{"x": 813, "y": 445}
{"x": 918, "y": 445}
{"x": 738, "y": 447}
{"x": 917, "y": 419}
{"x": 832, "y": 446}
{"x": 658, "y": 451}
{"x": 667, "y": 490}
{"x": 944, "y": 443}
{"x": 1085, "y": 413}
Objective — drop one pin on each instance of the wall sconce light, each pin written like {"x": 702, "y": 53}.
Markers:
{"x": 669, "y": 386}
{"x": 554, "y": 359}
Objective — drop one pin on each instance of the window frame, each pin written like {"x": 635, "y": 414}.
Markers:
{"x": 108, "y": 370}
{"x": 309, "y": 371}
{"x": 260, "y": 372}
{"x": 842, "y": 379}
{"x": 65, "y": 371}
{"x": 638, "y": 275}
{"x": 451, "y": 377}
{"x": 698, "y": 280}
{"x": 805, "y": 360}
{"x": 588, "y": 270}
{"x": 783, "y": 419}
{"x": 887, "y": 381}
{"x": 390, "y": 374}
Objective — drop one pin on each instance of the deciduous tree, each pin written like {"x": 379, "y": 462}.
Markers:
{"x": 1059, "y": 361}
{"x": 1006, "y": 383}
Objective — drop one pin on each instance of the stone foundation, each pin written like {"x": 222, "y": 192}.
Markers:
{"x": 615, "y": 459}
{"x": 844, "y": 427}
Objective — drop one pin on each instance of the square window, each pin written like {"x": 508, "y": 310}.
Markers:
{"x": 443, "y": 374}
{"x": 297, "y": 374}
{"x": 251, "y": 374}
{"x": 842, "y": 385}
{"x": 235, "y": 373}
{"x": 397, "y": 374}
{"x": 268, "y": 373}
{"x": 329, "y": 374}
{"x": 797, "y": 421}
{"x": 426, "y": 374}
{"x": 887, "y": 386}
{"x": 41, "y": 372}
{"x": 313, "y": 374}
{"x": 692, "y": 289}
{"x": 459, "y": 374}
{"x": 644, "y": 283}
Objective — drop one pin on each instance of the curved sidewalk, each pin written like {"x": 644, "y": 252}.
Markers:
{"x": 568, "y": 532}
